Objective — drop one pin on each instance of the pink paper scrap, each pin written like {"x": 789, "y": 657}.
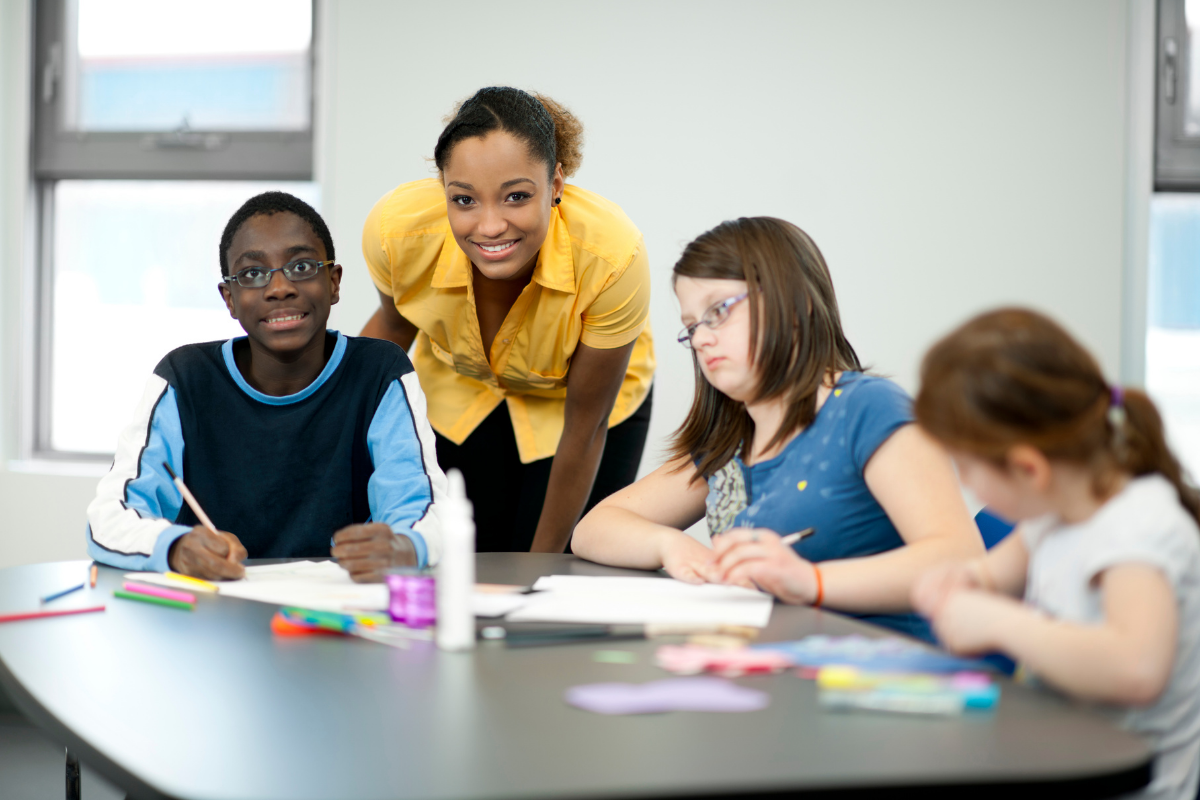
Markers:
{"x": 670, "y": 694}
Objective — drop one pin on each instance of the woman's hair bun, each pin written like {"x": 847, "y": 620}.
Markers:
{"x": 554, "y": 135}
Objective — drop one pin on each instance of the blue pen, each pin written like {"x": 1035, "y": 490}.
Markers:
{"x": 57, "y": 595}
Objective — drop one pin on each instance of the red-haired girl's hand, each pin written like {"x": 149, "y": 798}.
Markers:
{"x": 756, "y": 558}
{"x": 938, "y": 583}
{"x": 969, "y": 621}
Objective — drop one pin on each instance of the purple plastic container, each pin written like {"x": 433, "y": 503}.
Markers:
{"x": 412, "y": 598}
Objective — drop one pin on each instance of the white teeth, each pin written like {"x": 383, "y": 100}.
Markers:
{"x": 286, "y": 319}
{"x": 495, "y": 248}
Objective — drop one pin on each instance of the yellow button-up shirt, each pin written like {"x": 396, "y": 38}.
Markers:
{"x": 591, "y": 284}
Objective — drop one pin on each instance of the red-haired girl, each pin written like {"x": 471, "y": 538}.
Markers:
{"x": 1107, "y": 551}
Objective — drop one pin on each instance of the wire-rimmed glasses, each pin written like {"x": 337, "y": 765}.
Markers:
{"x": 713, "y": 318}
{"x": 301, "y": 269}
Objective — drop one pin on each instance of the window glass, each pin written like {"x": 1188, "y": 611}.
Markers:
{"x": 135, "y": 275}
{"x": 220, "y": 65}
{"x": 1173, "y": 334}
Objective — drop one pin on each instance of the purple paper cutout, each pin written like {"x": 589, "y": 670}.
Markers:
{"x": 670, "y": 694}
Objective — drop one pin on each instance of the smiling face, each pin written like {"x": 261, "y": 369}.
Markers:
{"x": 499, "y": 200}
{"x": 723, "y": 353}
{"x": 282, "y": 317}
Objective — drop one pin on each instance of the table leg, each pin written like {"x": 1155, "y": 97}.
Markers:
{"x": 74, "y": 791}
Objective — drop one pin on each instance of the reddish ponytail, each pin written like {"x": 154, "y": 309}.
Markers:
{"x": 1013, "y": 376}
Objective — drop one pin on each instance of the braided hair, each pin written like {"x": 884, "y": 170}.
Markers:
{"x": 551, "y": 132}
{"x": 269, "y": 203}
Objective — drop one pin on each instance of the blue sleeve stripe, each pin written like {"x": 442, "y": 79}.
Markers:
{"x": 400, "y": 490}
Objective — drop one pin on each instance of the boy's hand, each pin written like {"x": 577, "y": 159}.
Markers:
{"x": 204, "y": 554}
{"x": 365, "y": 551}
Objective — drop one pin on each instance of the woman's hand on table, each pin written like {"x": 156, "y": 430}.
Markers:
{"x": 685, "y": 559}
{"x": 367, "y": 551}
{"x": 207, "y": 555}
{"x": 757, "y": 558}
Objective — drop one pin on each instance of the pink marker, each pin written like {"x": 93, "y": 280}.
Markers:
{"x": 158, "y": 591}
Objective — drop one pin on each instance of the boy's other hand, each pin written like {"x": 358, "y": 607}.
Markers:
{"x": 366, "y": 551}
{"x": 211, "y": 556}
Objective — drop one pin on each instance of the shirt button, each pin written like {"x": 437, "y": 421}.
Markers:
{"x": 504, "y": 340}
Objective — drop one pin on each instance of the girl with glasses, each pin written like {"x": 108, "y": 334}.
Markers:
{"x": 526, "y": 304}
{"x": 815, "y": 483}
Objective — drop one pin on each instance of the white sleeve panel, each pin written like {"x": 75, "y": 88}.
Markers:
{"x": 136, "y": 502}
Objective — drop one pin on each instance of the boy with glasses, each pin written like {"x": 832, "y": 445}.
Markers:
{"x": 286, "y": 437}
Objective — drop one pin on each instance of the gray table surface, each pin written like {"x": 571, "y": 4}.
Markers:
{"x": 209, "y": 705}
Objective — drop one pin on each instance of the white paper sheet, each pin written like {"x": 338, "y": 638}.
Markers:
{"x": 642, "y": 601}
{"x": 319, "y": 585}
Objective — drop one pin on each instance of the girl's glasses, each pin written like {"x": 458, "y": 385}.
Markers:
{"x": 714, "y": 317}
{"x": 257, "y": 277}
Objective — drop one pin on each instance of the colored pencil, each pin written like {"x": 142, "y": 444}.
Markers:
{"x": 95, "y": 572}
{"x": 57, "y": 595}
{"x": 193, "y": 583}
{"x": 145, "y": 598}
{"x": 191, "y": 500}
{"x": 40, "y": 614}
{"x": 158, "y": 591}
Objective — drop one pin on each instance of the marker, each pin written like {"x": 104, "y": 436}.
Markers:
{"x": 191, "y": 500}
{"x": 159, "y": 601}
{"x": 194, "y": 583}
{"x": 95, "y": 572}
{"x": 57, "y": 595}
{"x": 40, "y": 614}
{"x": 792, "y": 538}
{"x": 158, "y": 591}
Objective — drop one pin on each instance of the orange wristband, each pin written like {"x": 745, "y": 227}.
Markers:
{"x": 820, "y": 587}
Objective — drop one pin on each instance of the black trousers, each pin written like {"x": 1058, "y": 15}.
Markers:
{"x": 508, "y": 495}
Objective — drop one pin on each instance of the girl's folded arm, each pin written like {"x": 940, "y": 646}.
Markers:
{"x": 1126, "y": 660}
{"x": 913, "y": 481}
{"x": 635, "y": 526}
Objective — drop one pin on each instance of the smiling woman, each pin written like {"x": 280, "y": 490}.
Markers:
{"x": 525, "y": 302}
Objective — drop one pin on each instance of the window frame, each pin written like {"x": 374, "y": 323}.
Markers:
{"x": 57, "y": 155}
{"x": 174, "y": 155}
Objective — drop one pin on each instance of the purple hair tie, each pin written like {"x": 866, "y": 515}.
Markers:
{"x": 1116, "y": 419}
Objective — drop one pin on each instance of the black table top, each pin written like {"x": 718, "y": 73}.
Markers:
{"x": 209, "y": 705}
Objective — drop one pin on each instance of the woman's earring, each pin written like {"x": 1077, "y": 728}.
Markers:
{"x": 557, "y": 200}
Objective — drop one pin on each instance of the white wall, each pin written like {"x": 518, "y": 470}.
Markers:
{"x": 946, "y": 156}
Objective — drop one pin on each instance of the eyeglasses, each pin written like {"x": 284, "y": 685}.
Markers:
{"x": 714, "y": 317}
{"x": 257, "y": 277}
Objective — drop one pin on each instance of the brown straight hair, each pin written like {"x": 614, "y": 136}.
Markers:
{"x": 794, "y": 322}
{"x": 1013, "y": 376}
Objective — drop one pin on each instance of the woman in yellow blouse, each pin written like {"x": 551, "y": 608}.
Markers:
{"x": 528, "y": 301}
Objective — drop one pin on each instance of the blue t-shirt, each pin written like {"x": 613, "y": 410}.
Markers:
{"x": 817, "y": 482}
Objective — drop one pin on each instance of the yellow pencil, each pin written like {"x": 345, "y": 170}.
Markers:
{"x": 197, "y": 583}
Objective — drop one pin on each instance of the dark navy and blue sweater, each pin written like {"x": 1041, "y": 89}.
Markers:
{"x": 283, "y": 474}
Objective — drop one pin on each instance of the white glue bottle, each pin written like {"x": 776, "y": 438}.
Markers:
{"x": 456, "y": 571}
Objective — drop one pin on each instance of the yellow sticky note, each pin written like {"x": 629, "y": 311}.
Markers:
{"x": 802, "y": 485}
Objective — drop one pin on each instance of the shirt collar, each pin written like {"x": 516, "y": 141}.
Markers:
{"x": 555, "y": 268}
